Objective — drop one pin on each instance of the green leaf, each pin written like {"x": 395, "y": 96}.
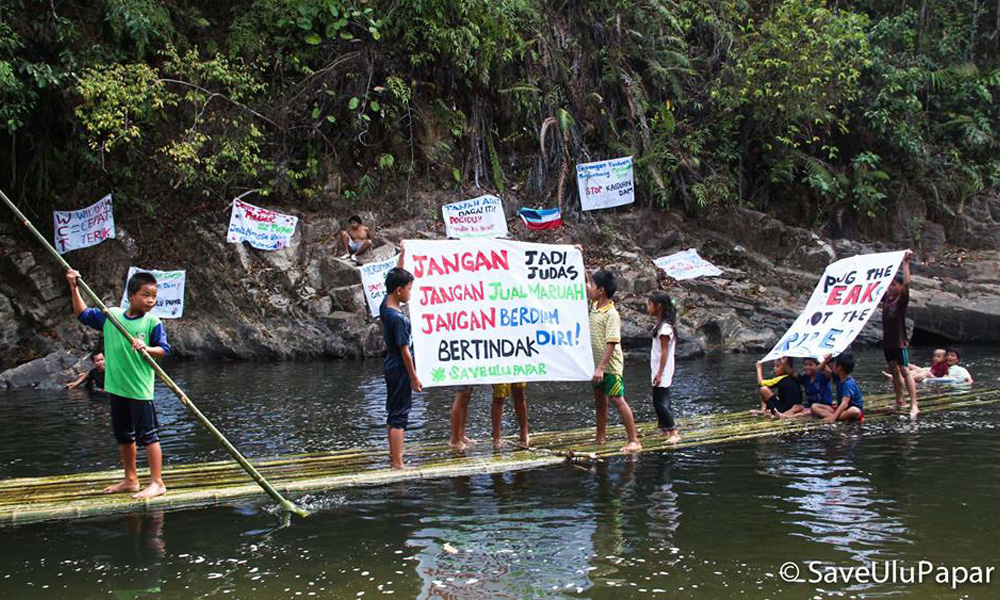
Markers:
{"x": 331, "y": 118}
{"x": 376, "y": 106}
{"x": 366, "y": 117}
{"x": 375, "y": 34}
{"x": 313, "y": 39}
{"x": 457, "y": 175}
{"x": 316, "y": 112}
{"x": 304, "y": 23}
{"x": 353, "y": 104}
{"x": 346, "y": 35}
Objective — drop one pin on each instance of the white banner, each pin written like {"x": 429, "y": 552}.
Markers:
{"x": 261, "y": 228}
{"x": 605, "y": 184}
{"x": 86, "y": 227}
{"x": 498, "y": 311}
{"x": 373, "y": 281}
{"x": 480, "y": 217}
{"x": 687, "y": 265}
{"x": 169, "y": 292}
{"x": 845, "y": 298}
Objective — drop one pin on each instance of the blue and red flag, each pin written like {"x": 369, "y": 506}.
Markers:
{"x": 541, "y": 218}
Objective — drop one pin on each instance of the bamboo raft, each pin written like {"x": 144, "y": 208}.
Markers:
{"x": 24, "y": 500}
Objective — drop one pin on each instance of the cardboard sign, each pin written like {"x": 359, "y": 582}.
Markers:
{"x": 373, "y": 281}
{"x": 497, "y": 311}
{"x": 605, "y": 184}
{"x": 169, "y": 292}
{"x": 261, "y": 228}
{"x": 687, "y": 265}
{"x": 90, "y": 226}
{"x": 480, "y": 217}
{"x": 847, "y": 295}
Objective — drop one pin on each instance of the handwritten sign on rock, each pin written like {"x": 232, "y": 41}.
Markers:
{"x": 687, "y": 265}
{"x": 86, "y": 227}
{"x": 169, "y": 292}
{"x": 844, "y": 299}
{"x": 480, "y": 217}
{"x": 373, "y": 280}
{"x": 605, "y": 184}
{"x": 261, "y": 228}
{"x": 497, "y": 311}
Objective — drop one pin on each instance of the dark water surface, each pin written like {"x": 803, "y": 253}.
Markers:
{"x": 707, "y": 522}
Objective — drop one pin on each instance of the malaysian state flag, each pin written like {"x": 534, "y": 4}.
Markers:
{"x": 541, "y": 218}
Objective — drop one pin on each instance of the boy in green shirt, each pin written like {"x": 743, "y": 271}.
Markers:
{"x": 128, "y": 379}
{"x": 605, "y": 340}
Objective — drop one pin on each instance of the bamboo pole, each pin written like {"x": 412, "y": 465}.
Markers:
{"x": 285, "y": 504}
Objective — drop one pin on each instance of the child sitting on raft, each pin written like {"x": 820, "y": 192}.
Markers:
{"x": 816, "y": 383}
{"x": 850, "y": 403}
{"x": 781, "y": 393}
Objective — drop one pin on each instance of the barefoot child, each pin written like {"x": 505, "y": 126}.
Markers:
{"x": 894, "y": 342}
{"x": 519, "y": 392}
{"x": 458, "y": 417}
{"x": 400, "y": 377}
{"x": 661, "y": 361}
{"x": 92, "y": 380}
{"x": 816, "y": 383}
{"x": 129, "y": 379}
{"x": 605, "y": 340}
{"x": 850, "y": 403}
{"x": 780, "y": 394}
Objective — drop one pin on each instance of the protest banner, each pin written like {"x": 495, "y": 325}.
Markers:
{"x": 480, "y": 217}
{"x": 687, "y": 265}
{"x": 169, "y": 292}
{"x": 261, "y": 228}
{"x": 373, "y": 281}
{"x": 605, "y": 184}
{"x": 498, "y": 311}
{"x": 845, "y": 298}
{"x": 86, "y": 227}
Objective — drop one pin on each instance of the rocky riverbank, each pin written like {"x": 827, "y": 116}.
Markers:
{"x": 303, "y": 303}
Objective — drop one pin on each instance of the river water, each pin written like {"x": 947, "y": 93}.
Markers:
{"x": 704, "y": 522}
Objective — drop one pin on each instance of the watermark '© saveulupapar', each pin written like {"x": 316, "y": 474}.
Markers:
{"x": 886, "y": 572}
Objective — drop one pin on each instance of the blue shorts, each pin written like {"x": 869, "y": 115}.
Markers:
{"x": 398, "y": 399}
{"x": 900, "y": 356}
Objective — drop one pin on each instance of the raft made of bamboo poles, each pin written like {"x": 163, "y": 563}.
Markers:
{"x": 32, "y": 499}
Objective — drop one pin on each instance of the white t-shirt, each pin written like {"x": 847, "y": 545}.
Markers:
{"x": 654, "y": 356}
{"x": 959, "y": 374}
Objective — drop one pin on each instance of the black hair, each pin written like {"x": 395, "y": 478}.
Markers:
{"x": 605, "y": 280}
{"x": 846, "y": 362}
{"x": 397, "y": 278}
{"x": 138, "y": 280}
{"x": 355, "y": 218}
{"x": 954, "y": 351}
{"x": 789, "y": 361}
{"x": 812, "y": 358}
{"x": 669, "y": 314}
{"x": 899, "y": 278}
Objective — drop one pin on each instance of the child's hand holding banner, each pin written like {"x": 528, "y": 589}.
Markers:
{"x": 497, "y": 311}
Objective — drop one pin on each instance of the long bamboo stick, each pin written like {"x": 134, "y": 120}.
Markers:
{"x": 285, "y": 504}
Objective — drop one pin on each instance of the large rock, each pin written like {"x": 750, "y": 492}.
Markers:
{"x": 961, "y": 313}
{"x": 51, "y": 372}
{"x": 978, "y": 225}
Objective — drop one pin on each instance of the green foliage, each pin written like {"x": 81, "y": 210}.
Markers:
{"x": 841, "y": 105}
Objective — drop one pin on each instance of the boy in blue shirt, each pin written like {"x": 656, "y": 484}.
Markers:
{"x": 128, "y": 379}
{"x": 400, "y": 376}
{"x": 850, "y": 403}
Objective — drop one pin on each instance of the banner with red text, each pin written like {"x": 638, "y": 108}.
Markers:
{"x": 605, "y": 184}
{"x": 480, "y": 217}
{"x": 498, "y": 311}
{"x": 261, "y": 228}
{"x": 169, "y": 292}
{"x": 85, "y": 227}
{"x": 847, "y": 295}
{"x": 373, "y": 281}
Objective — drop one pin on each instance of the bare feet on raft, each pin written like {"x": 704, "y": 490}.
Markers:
{"x": 631, "y": 447}
{"x": 457, "y": 446}
{"x": 674, "y": 439}
{"x": 402, "y": 467}
{"x": 467, "y": 441}
{"x": 127, "y": 485}
{"x": 152, "y": 490}
{"x": 914, "y": 411}
{"x": 525, "y": 442}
